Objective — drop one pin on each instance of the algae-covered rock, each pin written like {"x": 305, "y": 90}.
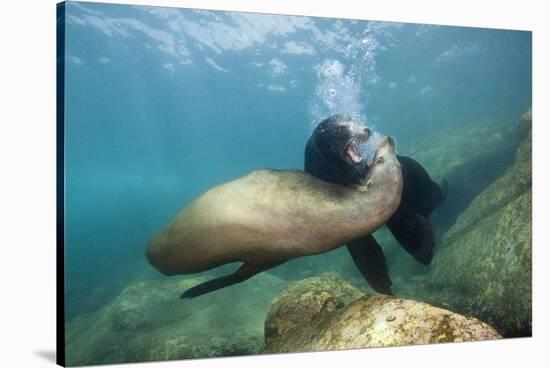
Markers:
{"x": 525, "y": 124}
{"x": 483, "y": 267}
{"x": 316, "y": 314}
{"x": 148, "y": 321}
{"x": 304, "y": 300}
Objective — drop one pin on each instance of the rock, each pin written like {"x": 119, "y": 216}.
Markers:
{"x": 149, "y": 322}
{"x": 483, "y": 267}
{"x": 304, "y": 300}
{"x": 525, "y": 124}
{"x": 318, "y": 314}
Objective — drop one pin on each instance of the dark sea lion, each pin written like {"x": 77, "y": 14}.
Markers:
{"x": 333, "y": 154}
{"x": 270, "y": 216}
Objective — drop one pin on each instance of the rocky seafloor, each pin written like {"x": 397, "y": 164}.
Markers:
{"x": 477, "y": 288}
{"x": 327, "y": 313}
{"x": 149, "y": 322}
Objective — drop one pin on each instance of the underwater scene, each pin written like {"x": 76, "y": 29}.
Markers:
{"x": 240, "y": 183}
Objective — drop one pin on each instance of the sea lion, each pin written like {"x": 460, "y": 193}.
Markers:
{"x": 333, "y": 153}
{"x": 270, "y": 216}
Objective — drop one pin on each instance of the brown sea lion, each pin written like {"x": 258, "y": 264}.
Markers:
{"x": 270, "y": 216}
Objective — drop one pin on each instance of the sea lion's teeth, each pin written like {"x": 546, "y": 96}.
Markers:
{"x": 353, "y": 154}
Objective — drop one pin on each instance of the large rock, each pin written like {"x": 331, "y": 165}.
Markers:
{"x": 304, "y": 300}
{"x": 483, "y": 267}
{"x": 149, "y": 322}
{"x": 327, "y": 313}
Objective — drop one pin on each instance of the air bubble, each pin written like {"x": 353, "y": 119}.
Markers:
{"x": 347, "y": 77}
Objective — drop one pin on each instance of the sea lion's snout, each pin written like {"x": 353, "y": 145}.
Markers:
{"x": 384, "y": 178}
{"x": 387, "y": 143}
{"x": 385, "y": 149}
{"x": 358, "y": 131}
{"x": 385, "y": 159}
{"x": 391, "y": 142}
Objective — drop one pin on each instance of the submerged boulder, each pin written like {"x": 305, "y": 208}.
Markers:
{"x": 303, "y": 301}
{"x": 149, "y": 322}
{"x": 327, "y": 313}
{"x": 483, "y": 267}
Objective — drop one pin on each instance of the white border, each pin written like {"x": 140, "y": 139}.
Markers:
{"x": 27, "y": 195}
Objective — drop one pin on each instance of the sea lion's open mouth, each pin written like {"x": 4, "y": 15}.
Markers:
{"x": 351, "y": 152}
{"x": 374, "y": 143}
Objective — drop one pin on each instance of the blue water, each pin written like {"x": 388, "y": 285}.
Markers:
{"x": 163, "y": 104}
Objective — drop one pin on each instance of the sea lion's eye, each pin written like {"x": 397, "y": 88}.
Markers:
{"x": 380, "y": 160}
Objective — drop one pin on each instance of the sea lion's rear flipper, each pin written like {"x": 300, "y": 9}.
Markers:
{"x": 369, "y": 259}
{"x": 245, "y": 272}
{"x": 414, "y": 232}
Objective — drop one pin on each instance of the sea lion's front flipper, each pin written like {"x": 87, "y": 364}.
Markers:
{"x": 414, "y": 232}
{"x": 245, "y": 272}
{"x": 369, "y": 259}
